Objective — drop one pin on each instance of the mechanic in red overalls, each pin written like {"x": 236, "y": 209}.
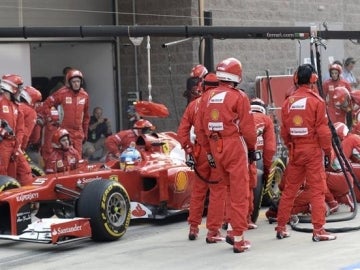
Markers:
{"x": 336, "y": 113}
{"x": 204, "y": 173}
{"x": 28, "y": 97}
{"x": 306, "y": 133}
{"x": 64, "y": 156}
{"x": 226, "y": 130}
{"x": 75, "y": 106}
{"x": 193, "y": 91}
{"x": 266, "y": 143}
{"x": 12, "y": 124}
{"x": 115, "y": 144}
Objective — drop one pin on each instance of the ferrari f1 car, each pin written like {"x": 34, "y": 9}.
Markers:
{"x": 98, "y": 200}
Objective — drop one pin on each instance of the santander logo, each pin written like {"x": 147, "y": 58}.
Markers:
{"x": 138, "y": 211}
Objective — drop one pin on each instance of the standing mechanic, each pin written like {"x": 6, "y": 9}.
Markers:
{"x": 28, "y": 97}
{"x": 75, "y": 105}
{"x": 207, "y": 178}
{"x": 266, "y": 143}
{"x": 337, "y": 112}
{"x": 306, "y": 133}
{"x": 226, "y": 130}
{"x": 11, "y": 125}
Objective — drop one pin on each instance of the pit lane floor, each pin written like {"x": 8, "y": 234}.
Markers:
{"x": 164, "y": 245}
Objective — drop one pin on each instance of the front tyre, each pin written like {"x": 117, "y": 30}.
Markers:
{"x": 107, "y": 204}
{"x": 7, "y": 182}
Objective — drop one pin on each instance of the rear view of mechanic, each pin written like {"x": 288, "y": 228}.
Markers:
{"x": 226, "y": 130}
{"x": 205, "y": 174}
{"x": 11, "y": 126}
{"x": 266, "y": 143}
{"x": 64, "y": 156}
{"x": 28, "y": 97}
{"x": 306, "y": 133}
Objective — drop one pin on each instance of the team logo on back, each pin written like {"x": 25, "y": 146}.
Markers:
{"x": 299, "y": 104}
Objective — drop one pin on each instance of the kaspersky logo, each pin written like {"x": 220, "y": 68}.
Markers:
{"x": 61, "y": 231}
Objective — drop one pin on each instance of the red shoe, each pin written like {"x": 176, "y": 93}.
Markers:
{"x": 333, "y": 206}
{"x": 281, "y": 232}
{"x": 322, "y": 235}
{"x": 213, "y": 237}
{"x": 229, "y": 238}
{"x": 194, "y": 232}
{"x": 242, "y": 245}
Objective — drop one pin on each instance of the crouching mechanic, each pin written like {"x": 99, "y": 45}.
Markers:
{"x": 64, "y": 156}
{"x": 206, "y": 177}
{"x": 225, "y": 128}
{"x": 306, "y": 133}
{"x": 117, "y": 143}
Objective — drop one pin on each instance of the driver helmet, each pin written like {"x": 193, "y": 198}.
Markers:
{"x": 129, "y": 158}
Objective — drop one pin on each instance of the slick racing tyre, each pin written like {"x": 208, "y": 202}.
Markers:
{"x": 258, "y": 194}
{"x": 107, "y": 204}
{"x": 7, "y": 182}
{"x": 36, "y": 170}
{"x": 271, "y": 190}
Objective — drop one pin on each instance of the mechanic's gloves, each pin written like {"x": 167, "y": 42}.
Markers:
{"x": 253, "y": 155}
{"x": 211, "y": 160}
{"x": 329, "y": 156}
{"x": 188, "y": 149}
{"x": 190, "y": 161}
{"x": 5, "y": 130}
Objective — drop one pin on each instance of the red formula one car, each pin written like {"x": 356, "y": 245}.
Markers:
{"x": 98, "y": 200}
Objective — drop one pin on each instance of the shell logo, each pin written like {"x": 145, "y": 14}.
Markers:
{"x": 181, "y": 181}
{"x": 297, "y": 120}
{"x": 214, "y": 115}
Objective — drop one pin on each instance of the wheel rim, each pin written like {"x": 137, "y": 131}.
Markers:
{"x": 116, "y": 209}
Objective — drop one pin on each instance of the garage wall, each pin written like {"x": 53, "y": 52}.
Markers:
{"x": 94, "y": 60}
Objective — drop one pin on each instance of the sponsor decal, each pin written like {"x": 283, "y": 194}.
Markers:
{"x": 23, "y": 216}
{"x": 299, "y": 104}
{"x": 5, "y": 109}
{"x": 27, "y": 197}
{"x": 81, "y": 101}
{"x": 68, "y": 100}
{"x": 298, "y": 131}
{"x": 297, "y": 120}
{"x": 59, "y": 163}
{"x": 181, "y": 181}
{"x": 138, "y": 211}
{"x": 114, "y": 177}
{"x": 218, "y": 97}
{"x": 87, "y": 180}
{"x": 214, "y": 115}
{"x": 66, "y": 230}
{"x": 216, "y": 126}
